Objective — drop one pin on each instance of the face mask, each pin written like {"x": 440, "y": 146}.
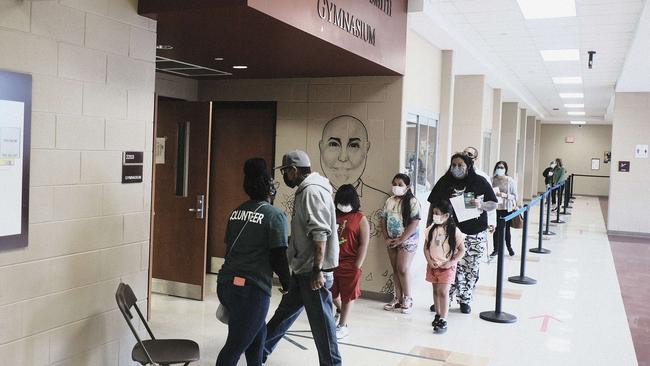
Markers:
{"x": 399, "y": 191}
{"x": 344, "y": 208}
{"x": 438, "y": 219}
{"x": 289, "y": 183}
{"x": 458, "y": 172}
{"x": 500, "y": 172}
{"x": 553, "y": 165}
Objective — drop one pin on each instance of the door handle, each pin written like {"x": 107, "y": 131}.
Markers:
{"x": 200, "y": 207}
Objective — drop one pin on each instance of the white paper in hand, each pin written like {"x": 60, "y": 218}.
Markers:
{"x": 462, "y": 213}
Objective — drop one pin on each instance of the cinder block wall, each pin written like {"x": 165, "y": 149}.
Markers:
{"x": 93, "y": 91}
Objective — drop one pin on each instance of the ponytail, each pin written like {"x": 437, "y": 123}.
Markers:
{"x": 406, "y": 199}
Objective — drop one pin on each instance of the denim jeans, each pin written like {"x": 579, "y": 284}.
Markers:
{"x": 318, "y": 305}
{"x": 247, "y": 307}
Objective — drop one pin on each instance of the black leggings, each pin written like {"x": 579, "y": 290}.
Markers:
{"x": 495, "y": 235}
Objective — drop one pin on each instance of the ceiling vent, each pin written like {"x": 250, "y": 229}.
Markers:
{"x": 176, "y": 67}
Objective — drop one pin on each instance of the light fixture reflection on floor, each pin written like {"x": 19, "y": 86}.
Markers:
{"x": 240, "y": 67}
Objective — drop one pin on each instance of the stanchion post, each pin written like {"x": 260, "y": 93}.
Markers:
{"x": 522, "y": 279}
{"x": 559, "y": 205}
{"x": 572, "y": 182}
{"x": 548, "y": 213}
{"x": 567, "y": 193}
{"x": 540, "y": 238}
{"x": 497, "y": 316}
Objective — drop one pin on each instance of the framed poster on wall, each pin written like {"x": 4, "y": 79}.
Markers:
{"x": 15, "y": 127}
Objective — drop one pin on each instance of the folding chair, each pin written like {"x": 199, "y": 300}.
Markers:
{"x": 163, "y": 352}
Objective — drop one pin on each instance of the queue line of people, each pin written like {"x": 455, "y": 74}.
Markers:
{"x": 320, "y": 267}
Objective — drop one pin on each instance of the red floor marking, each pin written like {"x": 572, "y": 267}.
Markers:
{"x": 546, "y": 317}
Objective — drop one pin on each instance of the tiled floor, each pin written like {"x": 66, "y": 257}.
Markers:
{"x": 631, "y": 259}
{"x": 577, "y": 286}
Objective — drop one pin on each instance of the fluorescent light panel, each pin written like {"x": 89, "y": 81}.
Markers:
{"x": 578, "y": 122}
{"x": 560, "y": 55}
{"x": 574, "y": 106}
{"x": 576, "y": 113}
{"x": 568, "y": 80}
{"x": 545, "y": 9}
{"x": 571, "y": 95}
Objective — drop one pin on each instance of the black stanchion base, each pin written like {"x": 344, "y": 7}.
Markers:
{"x": 558, "y": 222}
{"x": 493, "y": 316}
{"x": 540, "y": 251}
{"x": 548, "y": 233}
{"x": 522, "y": 280}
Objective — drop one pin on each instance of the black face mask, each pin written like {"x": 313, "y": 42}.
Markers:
{"x": 289, "y": 183}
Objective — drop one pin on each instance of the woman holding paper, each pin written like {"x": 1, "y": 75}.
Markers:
{"x": 471, "y": 197}
{"x": 507, "y": 194}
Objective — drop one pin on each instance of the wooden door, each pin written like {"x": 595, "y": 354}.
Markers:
{"x": 180, "y": 215}
{"x": 240, "y": 131}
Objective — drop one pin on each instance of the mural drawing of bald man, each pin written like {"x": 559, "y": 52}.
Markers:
{"x": 344, "y": 151}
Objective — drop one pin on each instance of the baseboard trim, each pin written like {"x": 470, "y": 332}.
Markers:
{"x": 632, "y": 234}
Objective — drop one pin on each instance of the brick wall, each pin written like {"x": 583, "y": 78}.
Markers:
{"x": 93, "y": 83}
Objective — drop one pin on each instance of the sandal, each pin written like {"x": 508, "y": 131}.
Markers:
{"x": 407, "y": 305}
{"x": 392, "y": 305}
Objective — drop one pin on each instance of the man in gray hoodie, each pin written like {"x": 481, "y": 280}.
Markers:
{"x": 313, "y": 254}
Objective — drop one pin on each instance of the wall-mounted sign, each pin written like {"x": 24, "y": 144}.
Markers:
{"x": 624, "y": 166}
{"x": 132, "y": 167}
{"x": 569, "y": 139}
{"x": 595, "y": 163}
{"x": 641, "y": 152}
{"x": 608, "y": 157}
{"x": 15, "y": 127}
{"x": 373, "y": 29}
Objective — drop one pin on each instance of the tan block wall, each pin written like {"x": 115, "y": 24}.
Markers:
{"x": 591, "y": 141}
{"x": 92, "y": 64}
{"x": 629, "y": 193}
{"x": 304, "y": 106}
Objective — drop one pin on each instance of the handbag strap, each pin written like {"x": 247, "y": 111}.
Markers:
{"x": 241, "y": 231}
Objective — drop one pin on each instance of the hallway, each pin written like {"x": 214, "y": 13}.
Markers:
{"x": 588, "y": 328}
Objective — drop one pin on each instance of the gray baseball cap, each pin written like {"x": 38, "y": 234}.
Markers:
{"x": 297, "y": 158}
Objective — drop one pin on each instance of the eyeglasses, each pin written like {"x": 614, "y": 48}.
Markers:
{"x": 469, "y": 154}
{"x": 285, "y": 169}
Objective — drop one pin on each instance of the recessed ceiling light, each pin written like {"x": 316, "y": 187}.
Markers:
{"x": 578, "y": 122}
{"x": 164, "y": 47}
{"x": 240, "y": 67}
{"x": 568, "y": 80}
{"x": 576, "y": 113}
{"x": 560, "y": 55}
{"x": 577, "y": 105}
{"x": 536, "y": 9}
{"x": 571, "y": 95}
{"x": 218, "y": 58}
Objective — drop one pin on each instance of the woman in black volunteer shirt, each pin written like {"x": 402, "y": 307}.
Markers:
{"x": 461, "y": 179}
{"x": 256, "y": 244}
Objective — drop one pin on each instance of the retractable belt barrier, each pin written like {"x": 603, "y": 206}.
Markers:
{"x": 498, "y": 316}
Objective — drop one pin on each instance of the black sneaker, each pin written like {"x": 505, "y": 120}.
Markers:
{"x": 435, "y": 321}
{"x": 441, "y": 327}
{"x": 494, "y": 254}
{"x": 465, "y": 308}
{"x": 432, "y": 308}
{"x": 511, "y": 252}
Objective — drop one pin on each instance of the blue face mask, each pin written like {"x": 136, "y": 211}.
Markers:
{"x": 458, "y": 172}
{"x": 500, "y": 172}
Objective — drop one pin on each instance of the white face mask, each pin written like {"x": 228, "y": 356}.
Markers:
{"x": 438, "y": 219}
{"x": 399, "y": 190}
{"x": 344, "y": 208}
{"x": 500, "y": 172}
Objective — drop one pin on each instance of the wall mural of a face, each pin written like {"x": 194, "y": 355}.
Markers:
{"x": 344, "y": 150}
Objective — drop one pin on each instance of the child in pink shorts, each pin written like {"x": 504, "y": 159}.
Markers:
{"x": 442, "y": 252}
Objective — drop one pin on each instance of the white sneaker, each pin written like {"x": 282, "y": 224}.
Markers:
{"x": 342, "y": 331}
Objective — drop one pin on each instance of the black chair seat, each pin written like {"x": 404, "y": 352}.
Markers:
{"x": 167, "y": 351}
